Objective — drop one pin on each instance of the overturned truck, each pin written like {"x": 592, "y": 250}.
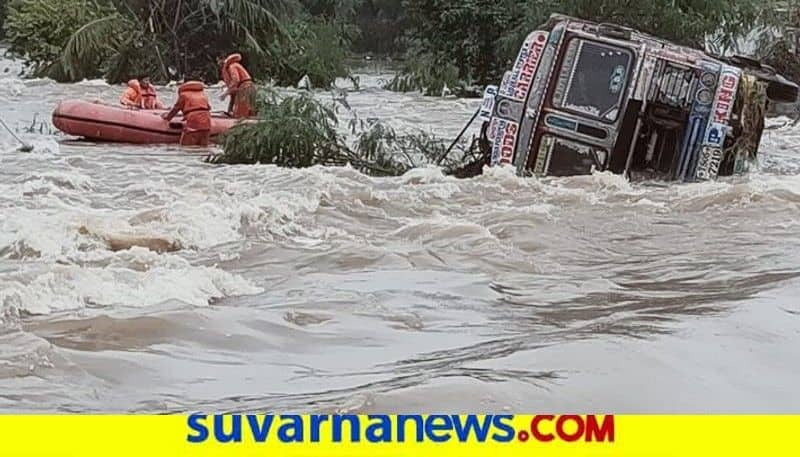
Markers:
{"x": 583, "y": 96}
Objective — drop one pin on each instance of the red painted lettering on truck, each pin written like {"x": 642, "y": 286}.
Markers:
{"x": 725, "y": 98}
{"x": 509, "y": 141}
{"x": 528, "y": 70}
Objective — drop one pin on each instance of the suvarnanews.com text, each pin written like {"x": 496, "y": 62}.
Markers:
{"x": 399, "y": 429}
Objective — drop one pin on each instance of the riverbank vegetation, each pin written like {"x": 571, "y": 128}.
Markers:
{"x": 443, "y": 46}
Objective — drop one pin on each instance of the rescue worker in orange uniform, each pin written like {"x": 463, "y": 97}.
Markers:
{"x": 132, "y": 97}
{"x": 240, "y": 87}
{"x": 141, "y": 94}
{"x": 149, "y": 96}
{"x": 193, "y": 103}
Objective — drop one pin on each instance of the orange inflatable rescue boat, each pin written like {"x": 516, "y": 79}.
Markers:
{"x": 101, "y": 122}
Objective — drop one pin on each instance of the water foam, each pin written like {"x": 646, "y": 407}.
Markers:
{"x": 159, "y": 279}
{"x": 93, "y": 83}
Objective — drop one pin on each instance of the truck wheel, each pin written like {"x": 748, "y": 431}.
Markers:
{"x": 779, "y": 89}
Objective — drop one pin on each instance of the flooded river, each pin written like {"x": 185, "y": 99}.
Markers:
{"x": 323, "y": 290}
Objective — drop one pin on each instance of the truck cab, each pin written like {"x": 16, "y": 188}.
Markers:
{"x": 583, "y": 96}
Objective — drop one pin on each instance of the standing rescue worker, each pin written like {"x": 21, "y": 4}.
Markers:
{"x": 240, "y": 87}
{"x": 141, "y": 94}
{"x": 193, "y": 103}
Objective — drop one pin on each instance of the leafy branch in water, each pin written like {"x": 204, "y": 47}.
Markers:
{"x": 291, "y": 132}
{"x": 301, "y": 131}
{"x": 381, "y": 144}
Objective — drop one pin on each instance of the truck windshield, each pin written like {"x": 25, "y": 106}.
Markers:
{"x": 593, "y": 79}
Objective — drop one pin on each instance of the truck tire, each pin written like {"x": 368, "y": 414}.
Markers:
{"x": 779, "y": 89}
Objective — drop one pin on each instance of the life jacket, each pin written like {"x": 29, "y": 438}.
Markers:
{"x": 194, "y": 104}
{"x": 233, "y": 72}
{"x": 150, "y": 98}
{"x": 133, "y": 94}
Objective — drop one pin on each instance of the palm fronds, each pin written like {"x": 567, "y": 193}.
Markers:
{"x": 93, "y": 42}
{"x": 250, "y": 14}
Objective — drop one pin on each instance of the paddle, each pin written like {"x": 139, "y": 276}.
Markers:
{"x": 25, "y": 146}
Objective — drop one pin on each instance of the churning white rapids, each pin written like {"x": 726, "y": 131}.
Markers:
{"x": 325, "y": 290}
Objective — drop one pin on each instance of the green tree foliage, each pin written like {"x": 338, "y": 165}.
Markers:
{"x": 480, "y": 37}
{"x": 686, "y": 22}
{"x": 119, "y": 39}
{"x": 459, "y": 44}
{"x": 3, "y": 13}
{"x": 380, "y": 24}
{"x": 373, "y": 26}
{"x": 454, "y": 43}
{"x": 176, "y": 38}
{"x": 37, "y": 30}
{"x": 343, "y": 10}
{"x": 315, "y": 48}
{"x": 777, "y": 51}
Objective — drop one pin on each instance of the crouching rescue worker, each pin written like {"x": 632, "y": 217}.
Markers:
{"x": 240, "y": 87}
{"x": 141, "y": 94}
{"x": 193, "y": 103}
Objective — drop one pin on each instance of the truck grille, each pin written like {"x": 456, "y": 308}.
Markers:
{"x": 672, "y": 84}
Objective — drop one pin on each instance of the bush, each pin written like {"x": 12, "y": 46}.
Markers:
{"x": 291, "y": 132}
